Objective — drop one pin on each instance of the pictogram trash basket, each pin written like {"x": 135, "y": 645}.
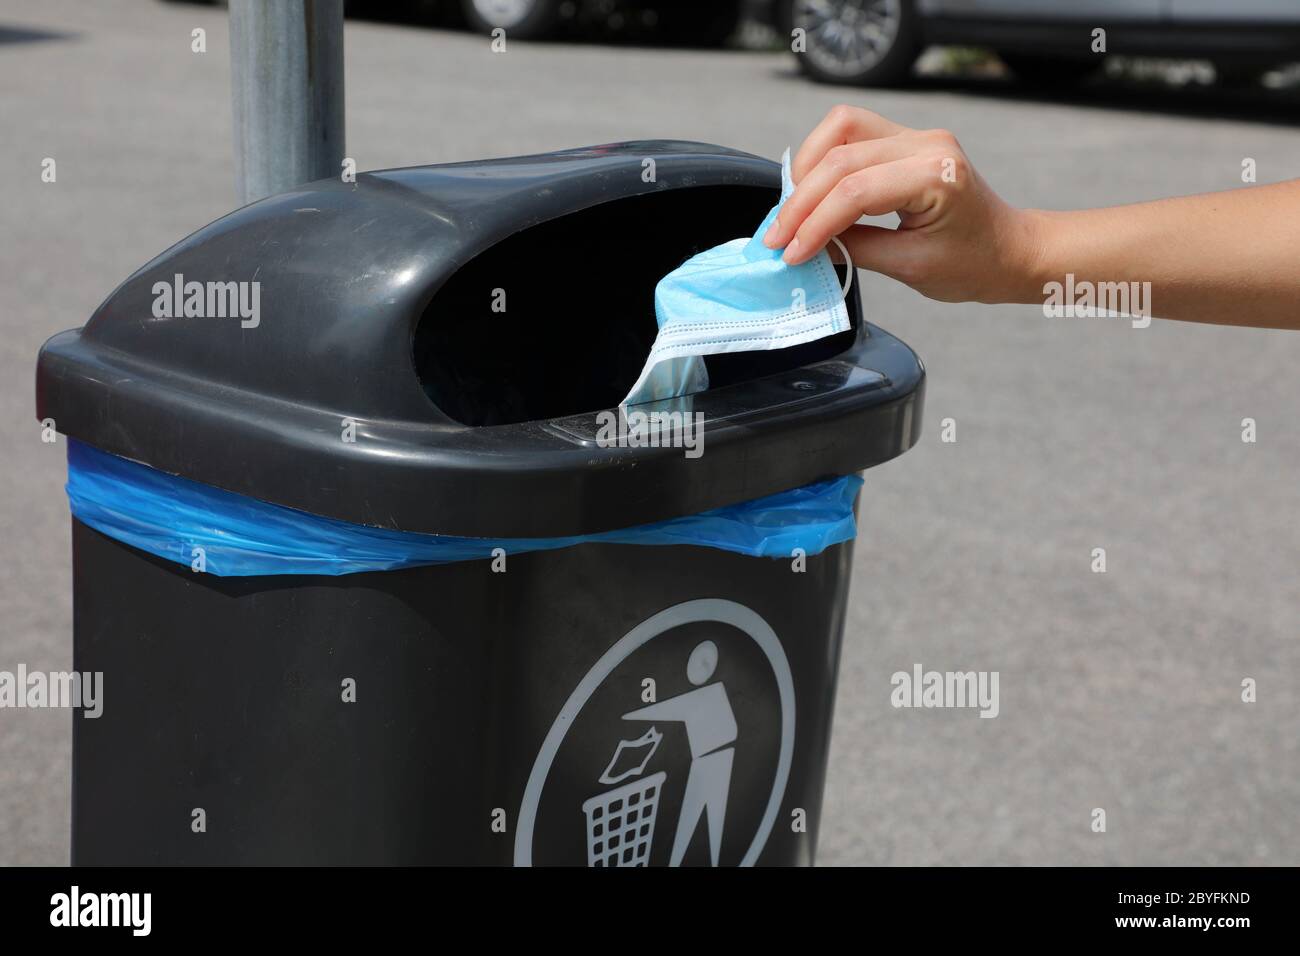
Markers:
{"x": 410, "y": 370}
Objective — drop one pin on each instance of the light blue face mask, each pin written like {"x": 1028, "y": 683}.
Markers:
{"x": 738, "y": 297}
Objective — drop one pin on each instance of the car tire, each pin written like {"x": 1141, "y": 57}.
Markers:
{"x": 521, "y": 19}
{"x": 1051, "y": 72}
{"x": 836, "y": 51}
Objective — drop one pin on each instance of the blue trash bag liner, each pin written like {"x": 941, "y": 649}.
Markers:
{"x": 240, "y": 536}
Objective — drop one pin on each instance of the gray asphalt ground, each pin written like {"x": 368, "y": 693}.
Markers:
{"x": 1118, "y": 690}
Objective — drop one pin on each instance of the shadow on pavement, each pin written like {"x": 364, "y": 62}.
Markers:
{"x": 24, "y": 35}
{"x": 1280, "y": 107}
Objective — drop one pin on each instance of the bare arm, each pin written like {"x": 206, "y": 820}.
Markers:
{"x": 1231, "y": 258}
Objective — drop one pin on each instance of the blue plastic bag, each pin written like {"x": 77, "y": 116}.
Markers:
{"x": 240, "y": 536}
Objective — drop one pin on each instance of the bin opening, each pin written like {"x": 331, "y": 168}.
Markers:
{"x": 558, "y": 319}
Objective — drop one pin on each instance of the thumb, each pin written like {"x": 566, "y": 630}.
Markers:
{"x": 891, "y": 252}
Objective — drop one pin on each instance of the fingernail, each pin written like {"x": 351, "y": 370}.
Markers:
{"x": 772, "y": 230}
{"x": 791, "y": 250}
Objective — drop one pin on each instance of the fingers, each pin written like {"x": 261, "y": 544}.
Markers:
{"x": 839, "y": 162}
{"x": 843, "y": 124}
{"x": 890, "y": 252}
{"x": 902, "y": 184}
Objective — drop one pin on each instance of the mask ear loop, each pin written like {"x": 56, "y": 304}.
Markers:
{"x": 849, "y": 267}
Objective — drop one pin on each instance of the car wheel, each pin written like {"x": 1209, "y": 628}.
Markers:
{"x": 1047, "y": 71}
{"x": 521, "y": 19}
{"x": 868, "y": 42}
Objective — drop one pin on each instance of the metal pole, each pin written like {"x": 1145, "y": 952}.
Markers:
{"x": 286, "y": 81}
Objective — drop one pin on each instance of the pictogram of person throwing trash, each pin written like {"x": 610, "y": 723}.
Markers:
{"x": 711, "y": 732}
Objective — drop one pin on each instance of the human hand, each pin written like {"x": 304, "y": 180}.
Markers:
{"x": 956, "y": 240}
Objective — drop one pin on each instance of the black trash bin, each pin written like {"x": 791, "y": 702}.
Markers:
{"x": 465, "y": 322}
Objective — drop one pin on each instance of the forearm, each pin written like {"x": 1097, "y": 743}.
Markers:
{"x": 1231, "y": 258}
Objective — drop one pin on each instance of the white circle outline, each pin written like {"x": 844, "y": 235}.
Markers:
{"x": 849, "y": 267}
{"x": 689, "y": 612}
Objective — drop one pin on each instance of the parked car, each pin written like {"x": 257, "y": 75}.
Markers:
{"x": 699, "y": 22}
{"x": 694, "y": 22}
{"x": 876, "y": 42}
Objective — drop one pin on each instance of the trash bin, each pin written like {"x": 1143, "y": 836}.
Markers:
{"x": 424, "y": 353}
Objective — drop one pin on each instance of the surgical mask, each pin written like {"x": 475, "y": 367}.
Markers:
{"x": 738, "y": 297}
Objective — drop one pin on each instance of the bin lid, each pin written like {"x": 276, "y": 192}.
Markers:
{"x": 309, "y": 398}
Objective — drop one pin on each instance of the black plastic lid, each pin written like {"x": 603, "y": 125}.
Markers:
{"x": 348, "y": 271}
